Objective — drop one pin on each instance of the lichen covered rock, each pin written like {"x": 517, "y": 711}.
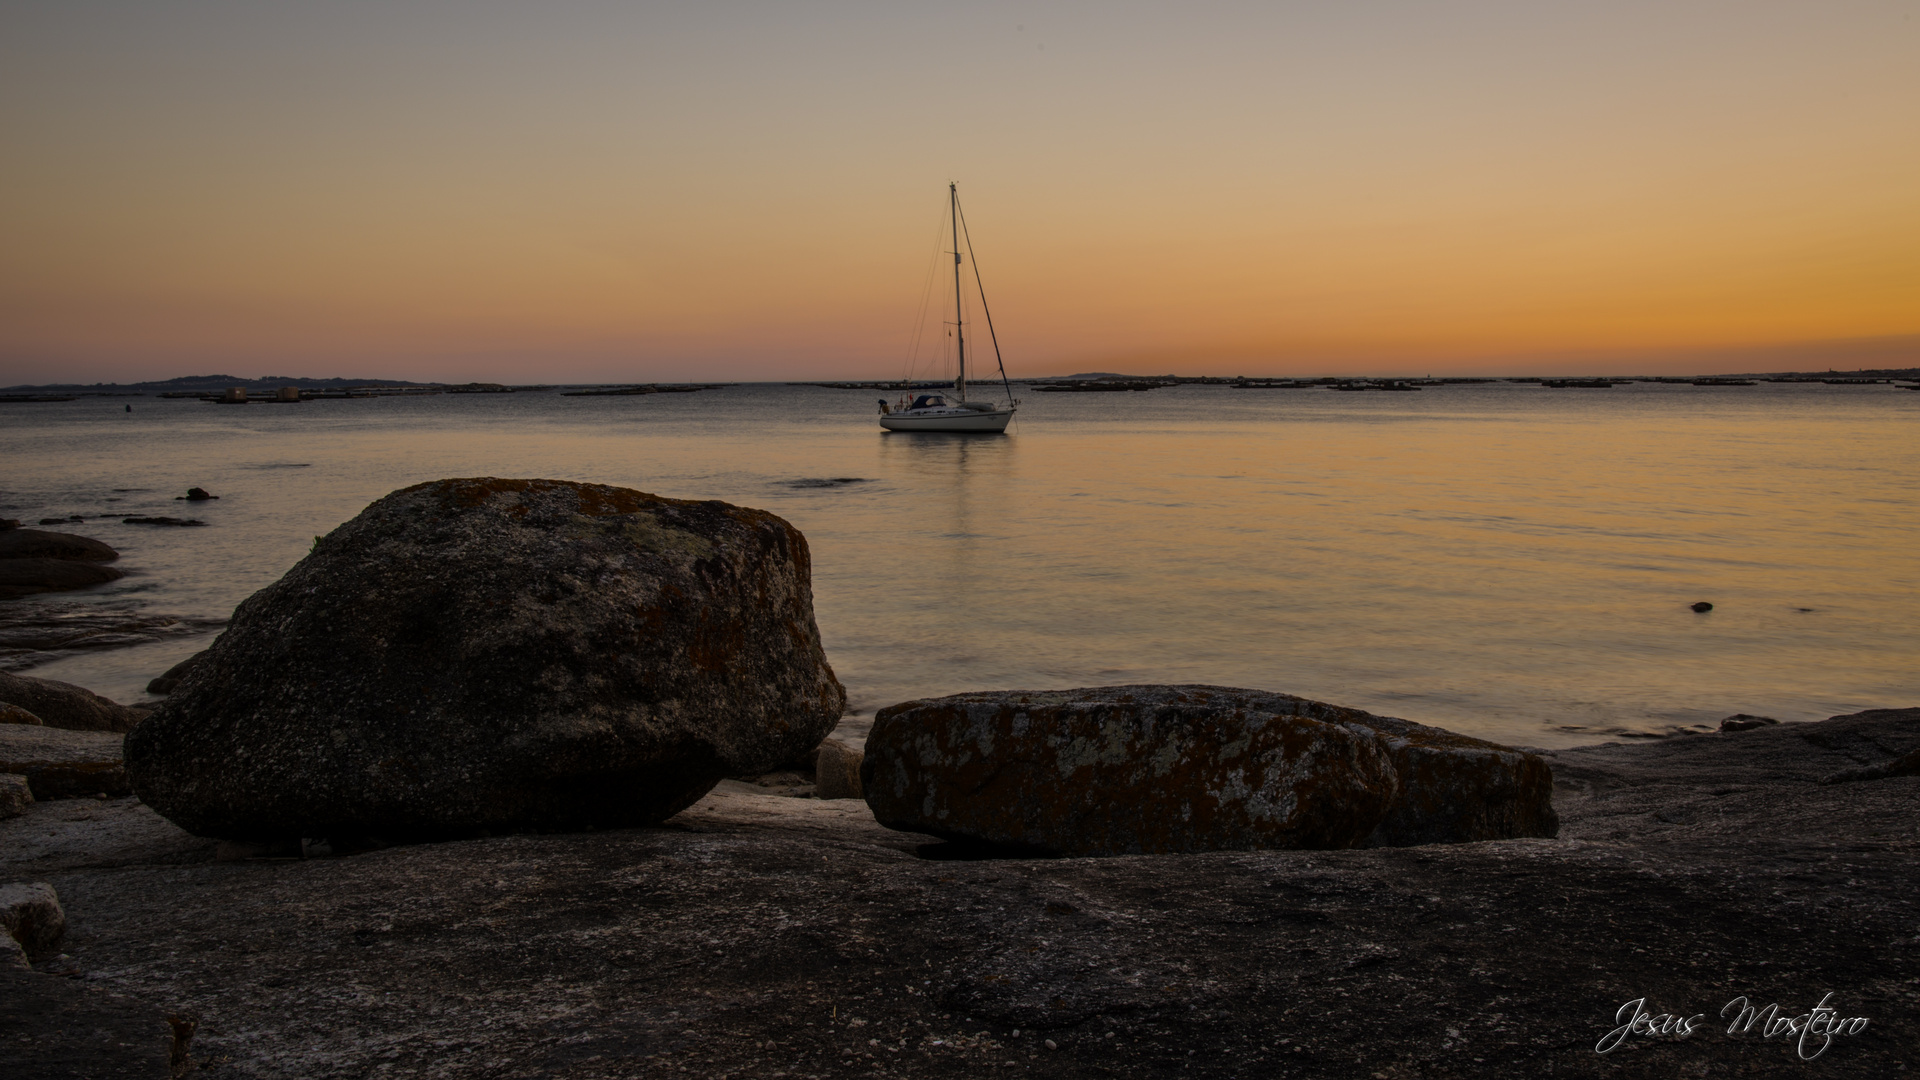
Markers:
{"x": 1149, "y": 769}
{"x": 491, "y": 654}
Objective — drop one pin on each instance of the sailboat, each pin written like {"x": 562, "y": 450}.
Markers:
{"x": 943, "y": 412}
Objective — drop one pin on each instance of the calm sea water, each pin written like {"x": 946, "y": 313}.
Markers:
{"x": 1505, "y": 560}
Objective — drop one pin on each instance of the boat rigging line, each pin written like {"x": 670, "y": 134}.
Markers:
{"x": 961, "y": 215}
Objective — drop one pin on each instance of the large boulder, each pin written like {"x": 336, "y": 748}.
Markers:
{"x": 63, "y": 764}
{"x": 1148, "y": 769}
{"x": 488, "y": 654}
{"x": 64, "y": 705}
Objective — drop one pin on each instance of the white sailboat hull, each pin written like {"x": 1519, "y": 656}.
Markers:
{"x": 947, "y": 420}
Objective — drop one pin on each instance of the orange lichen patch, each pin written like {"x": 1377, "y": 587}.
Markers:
{"x": 470, "y": 493}
{"x": 714, "y": 647}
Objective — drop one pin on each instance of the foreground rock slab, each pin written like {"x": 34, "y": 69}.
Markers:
{"x": 61, "y": 1029}
{"x": 752, "y": 935}
{"x": 60, "y": 764}
{"x": 1148, "y": 769}
{"x": 489, "y": 654}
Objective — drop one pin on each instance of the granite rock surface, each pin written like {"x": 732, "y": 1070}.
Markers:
{"x": 1148, "y": 769}
{"x": 755, "y": 935}
{"x": 486, "y": 654}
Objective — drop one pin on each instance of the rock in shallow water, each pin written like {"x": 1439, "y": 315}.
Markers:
{"x": 492, "y": 654}
{"x": 1148, "y": 769}
{"x": 64, "y": 705}
{"x": 24, "y": 577}
{"x": 40, "y": 544}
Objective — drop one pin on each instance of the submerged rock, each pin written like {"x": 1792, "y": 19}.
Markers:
{"x": 39, "y": 544}
{"x": 1146, "y": 769}
{"x": 36, "y": 561}
{"x": 64, "y": 705}
{"x": 24, "y": 577}
{"x": 1746, "y": 722}
{"x": 47, "y": 630}
{"x": 491, "y": 654}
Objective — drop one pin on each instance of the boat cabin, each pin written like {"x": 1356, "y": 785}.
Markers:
{"x": 928, "y": 401}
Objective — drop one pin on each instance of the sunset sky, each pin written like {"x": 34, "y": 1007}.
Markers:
{"x": 573, "y": 191}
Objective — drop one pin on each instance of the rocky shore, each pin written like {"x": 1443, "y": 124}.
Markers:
{"x": 756, "y": 935}
{"x": 542, "y": 786}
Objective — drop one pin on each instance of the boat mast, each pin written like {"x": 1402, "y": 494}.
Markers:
{"x": 959, "y": 331}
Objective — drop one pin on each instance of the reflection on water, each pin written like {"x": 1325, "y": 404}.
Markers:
{"x": 1503, "y": 559}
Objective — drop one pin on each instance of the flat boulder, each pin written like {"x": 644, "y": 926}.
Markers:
{"x": 61, "y": 764}
{"x": 1152, "y": 769}
{"x": 483, "y": 655}
{"x": 64, "y": 705}
{"x": 40, "y": 544}
{"x": 24, "y": 577}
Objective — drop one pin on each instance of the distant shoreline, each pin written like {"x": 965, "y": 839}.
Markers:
{"x": 188, "y": 385}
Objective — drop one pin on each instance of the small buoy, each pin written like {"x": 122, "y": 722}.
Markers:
{"x": 1703, "y": 606}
